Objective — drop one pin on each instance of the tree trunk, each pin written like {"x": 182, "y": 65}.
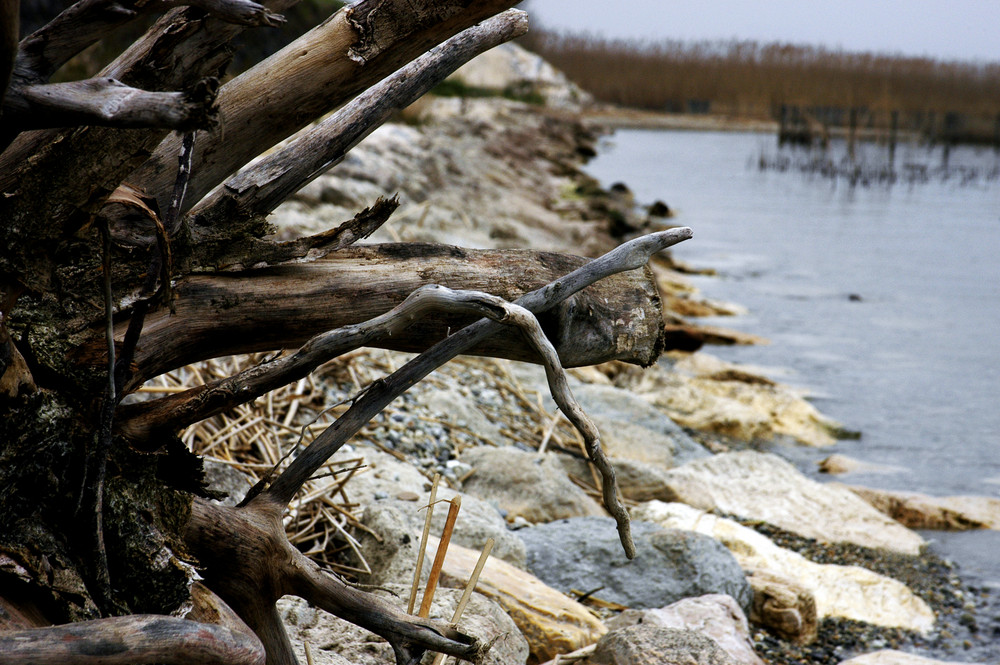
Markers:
{"x": 118, "y": 264}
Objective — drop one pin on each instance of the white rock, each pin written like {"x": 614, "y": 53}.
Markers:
{"x": 850, "y": 592}
{"x": 716, "y": 615}
{"x": 763, "y": 486}
{"x": 892, "y": 657}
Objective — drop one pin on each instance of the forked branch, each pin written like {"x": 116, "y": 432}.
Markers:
{"x": 258, "y": 189}
{"x": 631, "y": 255}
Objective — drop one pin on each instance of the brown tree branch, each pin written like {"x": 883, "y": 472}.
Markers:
{"x": 258, "y": 189}
{"x": 628, "y": 256}
{"x": 284, "y": 306}
{"x": 110, "y": 103}
{"x": 88, "y": 21}
{"x": 144, "y": 419}
{"x": 131, "y": 640}
{"x": 316, "y": 73}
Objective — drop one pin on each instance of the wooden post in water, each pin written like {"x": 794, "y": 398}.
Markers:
{"x": 893, "y": 130}
{"x": 852, "y": 132}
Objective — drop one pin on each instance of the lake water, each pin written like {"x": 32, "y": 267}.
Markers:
{"x": 883, "y": 300}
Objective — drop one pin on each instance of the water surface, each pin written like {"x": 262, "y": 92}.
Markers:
{"x": 883, "y": 301}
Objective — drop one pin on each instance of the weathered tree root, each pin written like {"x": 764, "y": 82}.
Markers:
{"x": 131, "y": 640}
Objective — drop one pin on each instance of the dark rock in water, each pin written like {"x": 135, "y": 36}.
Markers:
{"x": 584, "y": 553}
{"x": 651, "y": 644}
{"x": 659, "y": 209}
{"x": 620, "y": 189}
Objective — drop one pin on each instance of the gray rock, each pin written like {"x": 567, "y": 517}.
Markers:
{"x": 225, "y": 478}
{"x": 584, "y": 553}
{"x": 608, "y": 403}
{"x": 393, "y": 555}
{"x": 526, "y": 485}
{"x": 334, "y": 641}
{"x": 714, "y": 615}
{"x": 653, "y": 644}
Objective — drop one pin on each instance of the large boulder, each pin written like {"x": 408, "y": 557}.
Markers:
{"x": 551, "y": 622}
{"x": 511, "y": 68}
{"x": 585, "y": 554}
{"x": 704, "y": 393}
{"x": 334, "y": 641}
{"x": 653, "y": 644}
{"x": 762, "y": 486}
{"x": 528, "y": 485}
{"x": 715, "y": 615}
{"x": 850, "y": 592}
{"x": 921, "y": 511}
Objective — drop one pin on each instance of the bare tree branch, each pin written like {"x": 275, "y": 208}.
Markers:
{"x": 107, "y": 102}
{"x": 631, "y": 255}
{"x": 284, "y": 306}
{"x": 131, "y": 640}
{"x": 141, "y": 420}
{"x": 88, "y": 21}
{"x": 259, "y": 189}
{"x": 282, "y": 94}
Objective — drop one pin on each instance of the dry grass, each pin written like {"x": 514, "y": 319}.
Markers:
{"x": 751, "y": 79}
{"x": 323, "y": 520}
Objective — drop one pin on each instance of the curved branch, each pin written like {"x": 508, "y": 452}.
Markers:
{"x": 110, "y": 103}
{"x": 311, "y": 76}
{"x": 140, "y": 421}
{"x": 131, "y": 640}
{"x": 284, "y": 306}
{"x": 630, "y": 255}
{"x": 261, "y": 187}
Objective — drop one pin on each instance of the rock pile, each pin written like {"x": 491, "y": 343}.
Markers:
{"x": 497, "y": 173}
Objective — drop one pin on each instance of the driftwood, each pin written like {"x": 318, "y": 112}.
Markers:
{"x": 117, "y": 264}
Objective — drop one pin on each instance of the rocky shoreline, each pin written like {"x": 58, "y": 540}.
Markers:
{"x": 742, "y": 558}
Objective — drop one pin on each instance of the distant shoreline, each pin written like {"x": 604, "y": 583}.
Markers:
{"x": 624, "y": 118}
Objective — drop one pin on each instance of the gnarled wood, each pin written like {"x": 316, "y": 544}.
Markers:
{"x": 261, "y": 187}
{"x": 310, "y": 77}
{"x": 131, "y": 640}
{"x": 283, "y": 306}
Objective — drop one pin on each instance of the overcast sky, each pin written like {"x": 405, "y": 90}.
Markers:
{"x": 943, "y": 29}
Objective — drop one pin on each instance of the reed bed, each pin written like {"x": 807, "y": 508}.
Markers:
{"x": 752, "y": 79}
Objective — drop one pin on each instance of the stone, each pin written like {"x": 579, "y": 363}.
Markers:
{"x": 526, "y": 485}
{"x": 585, "y": 554}
{"x": 510, "y": 67}
{"x": 637, "y": 480}
{"x": 334, "y": 641}
{"x": 705, "y": 393}
{"x": 630, "y": 427}
{"x": 921, "y": 511}
{"x": 226, "y": 479}
{"x": 893, "y": 657}
{"x": 551, "y": 622}
{"x": 398, "y": 525}
{"x": 762, "y": 486}
{"x": 714, "y": 615}
{"x": 783, "y": 606}
{"x": 838, "y": 464}
{"x": 652, "y": 644}
{"x": 849, "y": 592}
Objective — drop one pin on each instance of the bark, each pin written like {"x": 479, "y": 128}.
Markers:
{"x": 283, "y": 306}
{"x": 9, "y": 20}
{"x": 260, "y": 188}
{"x": 313, "y": 75}
{"x": 107, "y": 102}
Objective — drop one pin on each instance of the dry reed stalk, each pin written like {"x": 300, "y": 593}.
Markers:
{"x": 423, "y": 544}
{"x": 442, "y": 550}
{"x": 573, "y": 656}
{"x": 469, "y": 588}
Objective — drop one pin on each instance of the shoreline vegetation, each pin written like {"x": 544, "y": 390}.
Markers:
{"x": 814, "y": 88}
